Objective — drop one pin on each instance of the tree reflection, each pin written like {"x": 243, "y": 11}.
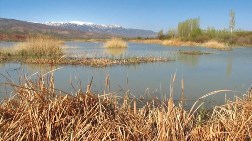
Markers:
{"x": 192, "y": 60}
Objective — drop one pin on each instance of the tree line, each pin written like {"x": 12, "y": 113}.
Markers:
{"x": 189, "y": 30}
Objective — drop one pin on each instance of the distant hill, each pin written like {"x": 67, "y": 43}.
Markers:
{"x": 17, "y": 30}
{"x": 11, "y": 29}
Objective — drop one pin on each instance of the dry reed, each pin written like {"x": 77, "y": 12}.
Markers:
{"x": 216, "y": 45}
{"x": 177, "y": 42}
{"x": 148, "y": 41}
{"x": 35, "y": 46}
{"x": 97, "y": 62}
{"x": 38, "y": 111}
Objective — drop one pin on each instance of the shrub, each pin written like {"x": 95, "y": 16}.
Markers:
{"x": 115, "y": 43}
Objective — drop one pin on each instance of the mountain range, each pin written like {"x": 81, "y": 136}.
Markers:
{"x": 11, "y": 28}
{"x": 101, "y": 28}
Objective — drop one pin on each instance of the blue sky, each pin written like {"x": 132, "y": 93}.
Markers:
{"x": 142, "y": 14}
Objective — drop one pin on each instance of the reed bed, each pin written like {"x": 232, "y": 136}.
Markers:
{"x": 115, "y": 43}
{"x": 170, "y": 42}
{"x": 177, "y": 42}
{"x": 216, "y": 45}
{"x": 232, "y": 121}
{"x": 148, "y": 41}
{"x": 97, "y": 62}
{"x": 35, "y": 46}
{"x": 38, "y": 111}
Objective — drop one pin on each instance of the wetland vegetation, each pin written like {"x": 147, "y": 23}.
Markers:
{"x": 38, "y": 111}
{"x": 44, "y": 49}
{"x": 85, "y": 81}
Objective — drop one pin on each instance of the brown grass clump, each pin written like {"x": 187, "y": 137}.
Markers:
{"x": 39, "y": 112}
{"x": 115, "y": 43}
{"x": 216, "y": 45}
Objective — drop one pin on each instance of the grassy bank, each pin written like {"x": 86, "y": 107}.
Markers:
{"x": 37, "y": 111}
{"x": 176, "y": 42}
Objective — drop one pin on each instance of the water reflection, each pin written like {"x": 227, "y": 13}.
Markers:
{"x": 116, "y": 51}
{"x": 7, "y": 44}
{"x": 229, "y": 66}
{"x": 40, "y": 68}
{"x": 192, "y": 60}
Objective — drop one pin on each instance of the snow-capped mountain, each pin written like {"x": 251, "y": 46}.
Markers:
{"x": 101, "y": 28}
{"x": 81, "y": 24}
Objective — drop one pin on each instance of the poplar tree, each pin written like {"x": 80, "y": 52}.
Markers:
{"x": 232, "y": 21}
{"x": 160, "y": 34}
{"x": 189, "y": 28}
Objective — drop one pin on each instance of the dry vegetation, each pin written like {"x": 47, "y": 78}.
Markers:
{"x": 177, "y": 42}
{"x": 97, "y": 62}
{"x": 115, "y": 43}
{"x": 35, "y": 46}
{"x": 216, "y": 45}
{"x": 44, "y": 49}
{"x": 148, "y": 41}
{"x": 38, "y": 112}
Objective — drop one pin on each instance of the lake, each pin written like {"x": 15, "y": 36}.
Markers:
{"x": 201, "y": 73}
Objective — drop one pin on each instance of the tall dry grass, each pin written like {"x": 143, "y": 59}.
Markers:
{"x": 38, "y": 111}
{"x": 173, "y": 42}
{"x": 115, "y": 43}
{"x": 148, "y": 41}
{"x": 170, "y": 42}
{"x": 36, "y": 45}
{"x": 216, "y": 45}
{"x": 177, "y": 42}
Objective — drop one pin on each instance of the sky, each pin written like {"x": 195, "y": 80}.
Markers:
{"x": 141, "y": 14}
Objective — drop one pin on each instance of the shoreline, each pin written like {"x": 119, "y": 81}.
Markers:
{"x": 178, "y": 43}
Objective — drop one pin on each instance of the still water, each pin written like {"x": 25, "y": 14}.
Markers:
{"x": 201, "y": 73}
